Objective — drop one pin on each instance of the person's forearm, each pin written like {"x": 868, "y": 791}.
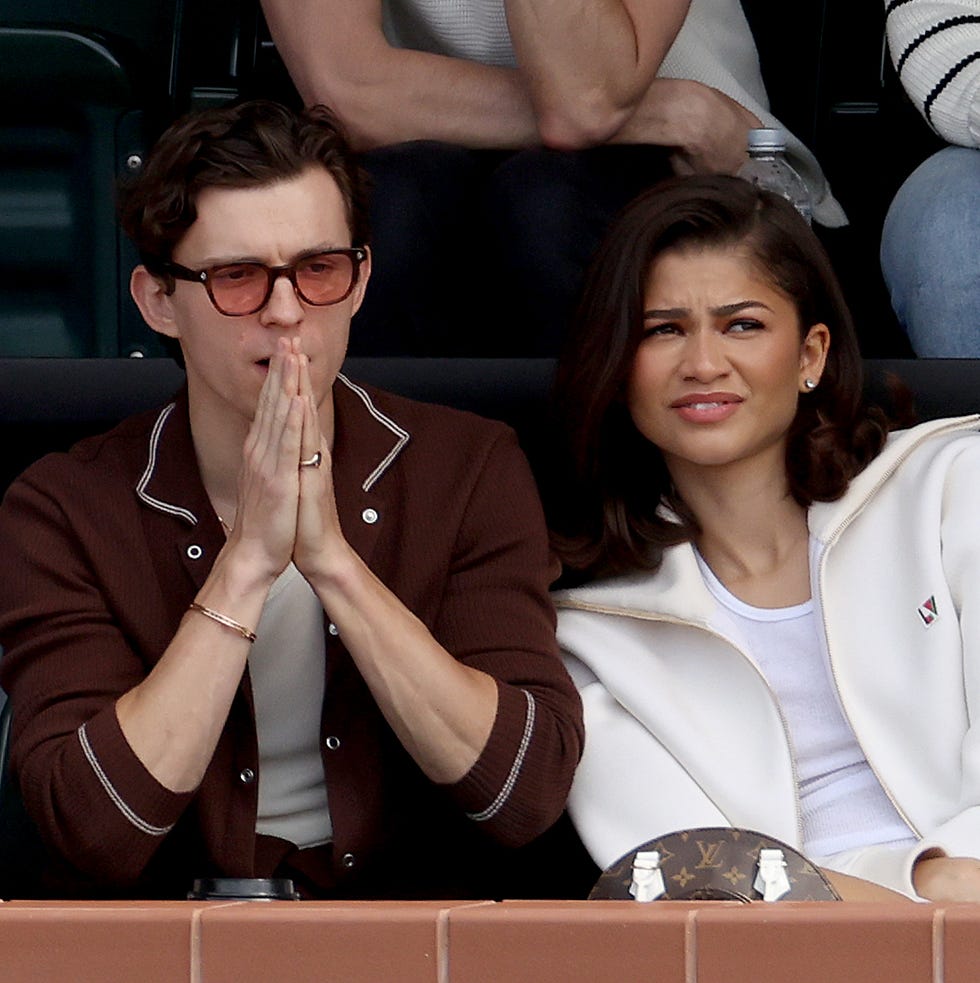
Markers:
{"x": 431, "y": 97}
{"x": 385, "y": 95}
{"x": 588, "y": 63}
{"x": 441, "y": 710}
{"x": 173, "y": 719}
{"x": 420, "y": 96}
{"x": 851, "y": 888}
{"x": 941, "y": 878}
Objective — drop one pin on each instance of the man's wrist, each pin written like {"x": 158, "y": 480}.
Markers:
{"x": 239, "y": 574}
{"x": 331, "y": 570}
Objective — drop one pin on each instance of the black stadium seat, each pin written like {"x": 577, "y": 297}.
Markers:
{"x": 48, "y": 404}
{"x": 85, "y": 88}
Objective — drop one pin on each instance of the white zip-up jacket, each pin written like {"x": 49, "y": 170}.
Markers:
{"x": 682, "y": 729}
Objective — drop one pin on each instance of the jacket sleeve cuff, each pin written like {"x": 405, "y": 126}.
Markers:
{"x": 488, "y": 791}
{"x": 484, "y": 790}
{"x": 890, "y": 866}
{"x": 133, "y": 791}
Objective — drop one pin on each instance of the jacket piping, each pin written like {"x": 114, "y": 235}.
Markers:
{"x": 140, "y": 824}
{"x": 386, "y": 421}
{"x": 515, "y": 769}
{"x": 151, "y": 464}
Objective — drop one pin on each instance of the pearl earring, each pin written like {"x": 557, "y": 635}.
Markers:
{"x": 810, "y": 384}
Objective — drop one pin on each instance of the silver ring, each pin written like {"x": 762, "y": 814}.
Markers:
{"x": 312, "y": 462}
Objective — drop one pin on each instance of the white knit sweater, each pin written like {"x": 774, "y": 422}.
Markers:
{"x": 714, "y": 47}
{"x": 935, "y": 45}
{"x": 475, "y": 30}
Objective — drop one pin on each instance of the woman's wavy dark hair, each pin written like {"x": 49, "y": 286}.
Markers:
{"x": 606, "y": 512}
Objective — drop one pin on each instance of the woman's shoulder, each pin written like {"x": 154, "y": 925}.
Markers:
{"x": 939, "y": 427}
{"x": 915, "y": 446}
{"x": 913, "y": 467}
{"x": 930, "y": 442}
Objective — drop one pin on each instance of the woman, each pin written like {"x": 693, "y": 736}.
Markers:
{"x": 780, "y": 633}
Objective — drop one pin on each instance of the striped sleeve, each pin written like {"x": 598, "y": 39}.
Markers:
{"x": 935, "y": 47}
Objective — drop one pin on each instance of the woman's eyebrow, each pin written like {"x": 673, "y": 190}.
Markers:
{"x": 741, "y": 305}
{"x": 726, "y": 310}
{"x": 667, "y": 312}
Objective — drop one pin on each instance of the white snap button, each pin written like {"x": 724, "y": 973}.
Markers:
{"x": 246, "y": 776}
{"x": 195, "y": 552}
{"x": 332, "y": 743}
{"x": 332, "y": 629}
{"x": 370, "y": 516}
{"x": 349, "y": 860}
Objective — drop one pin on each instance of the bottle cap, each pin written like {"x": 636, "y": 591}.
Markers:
{"x": 767, "y": 139}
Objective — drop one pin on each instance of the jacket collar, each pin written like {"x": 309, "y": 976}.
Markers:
{"x": 367, "y": 441}
{"x": 676, "y": 592}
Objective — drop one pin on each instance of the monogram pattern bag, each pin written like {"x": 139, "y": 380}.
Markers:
{"x": 713, "y": 864}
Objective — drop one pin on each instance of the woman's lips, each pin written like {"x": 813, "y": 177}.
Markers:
{"x": 706, "y": 407}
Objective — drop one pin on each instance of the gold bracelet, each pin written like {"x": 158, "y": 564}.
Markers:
{"x": 223, "y": 619}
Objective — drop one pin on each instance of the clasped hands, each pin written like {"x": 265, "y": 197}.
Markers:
{"x": 286, "y": 509}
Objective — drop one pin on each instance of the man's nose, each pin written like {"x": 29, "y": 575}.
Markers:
{"x": 284, "y": 305}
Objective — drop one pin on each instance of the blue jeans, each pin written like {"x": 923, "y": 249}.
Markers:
{"x": 930, "y": 254}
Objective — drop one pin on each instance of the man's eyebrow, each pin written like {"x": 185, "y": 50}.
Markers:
{"x": 231, "y": 260}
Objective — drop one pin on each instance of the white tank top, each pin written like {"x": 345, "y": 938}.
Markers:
{"x": 287, "y": 672}
{"x": 842, "y": 802}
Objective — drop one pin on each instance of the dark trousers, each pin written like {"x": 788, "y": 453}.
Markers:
{"x": 482, "y": 252}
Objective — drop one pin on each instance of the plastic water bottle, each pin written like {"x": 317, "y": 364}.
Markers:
{"x": 768, "y": 167}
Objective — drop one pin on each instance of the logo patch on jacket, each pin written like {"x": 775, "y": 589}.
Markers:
{"x": 928, "y": 612}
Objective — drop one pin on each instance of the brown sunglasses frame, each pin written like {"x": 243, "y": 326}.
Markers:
{"x": 356, "y": 254}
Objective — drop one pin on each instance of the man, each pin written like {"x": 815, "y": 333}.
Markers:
{"x": 503, "y": 135}
{"x": 288, "y": 625}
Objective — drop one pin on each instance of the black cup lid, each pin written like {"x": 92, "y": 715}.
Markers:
{"x": 243, "y": 889}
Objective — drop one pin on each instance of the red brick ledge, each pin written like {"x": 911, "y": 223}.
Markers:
{"x": 483, "y": 942}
